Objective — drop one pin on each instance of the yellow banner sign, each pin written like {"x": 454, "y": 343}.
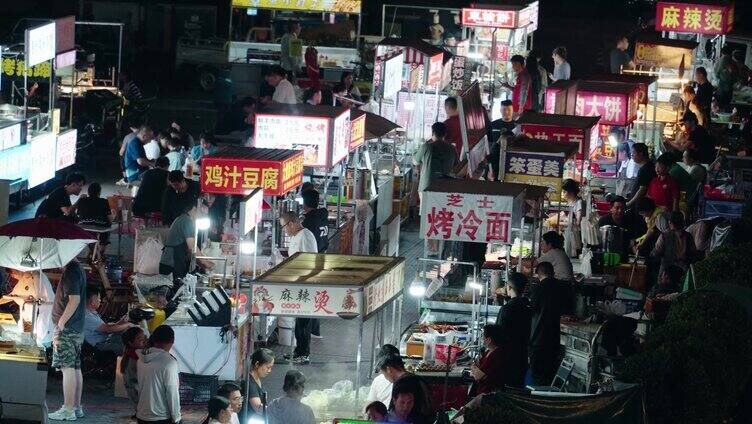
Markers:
{"x": 339, "y": 6}
{"x": 649, "y": 54}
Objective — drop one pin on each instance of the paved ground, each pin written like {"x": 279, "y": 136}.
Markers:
{"x": 333, "y": 357}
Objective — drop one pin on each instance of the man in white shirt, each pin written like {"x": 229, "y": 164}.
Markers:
{"x": 284, "y": 92}
{"x": 152, "y": 149}
{"x": 301, "y": 240}
{"x": 231, "y": 392}
{"x": 158, "y": 396}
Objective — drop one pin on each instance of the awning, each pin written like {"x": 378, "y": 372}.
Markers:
{"x": 376, "y": 126}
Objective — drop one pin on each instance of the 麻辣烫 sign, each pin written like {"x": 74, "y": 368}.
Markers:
{"x": 695, "y": 18}
{"x": 305, "y": 300}
{"x": 226, "y": 175}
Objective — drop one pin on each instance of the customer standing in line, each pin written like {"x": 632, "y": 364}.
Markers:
{"x": 158, "y": 380}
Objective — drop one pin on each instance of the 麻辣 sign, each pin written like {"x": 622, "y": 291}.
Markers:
{"x": 711, "y": 19}
{"x": 309, "y": 301}
{"x": 466, "y": 217}
{"x": 240, "y": 176}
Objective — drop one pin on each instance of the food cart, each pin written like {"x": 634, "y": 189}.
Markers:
{"x": 670, "y": 62}
{"x": 331, "y": 27}
{"x": 582, "y": 130}
{"x": 331, "y": 286}
{"x": 497, "y": 32}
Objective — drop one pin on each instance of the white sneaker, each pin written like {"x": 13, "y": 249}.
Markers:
{"x": 63, "y": 414}
{"x": 79, "y": 412}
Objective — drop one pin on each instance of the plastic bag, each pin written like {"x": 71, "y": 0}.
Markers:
{"x": 149, "y": 253}
{"x": 585, "y": 257}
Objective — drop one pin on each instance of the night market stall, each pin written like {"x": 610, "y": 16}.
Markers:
{"x": 327, "y": 45}
{"x": 332, "y": 286}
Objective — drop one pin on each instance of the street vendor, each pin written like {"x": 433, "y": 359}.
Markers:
{"x": 489, "y": 373}
{"x": 656, "y": 220}
{"x": 179, "y": 245}
{"x": 645, "y": 174}
{"x": 393, "y": 368}
{"x": 180, "y": 193}
{"x": 552, "y": 246}
{"x": 514, "y": 322}
{"x": 453, "y": 133}
{"x": 694, "y": 137}
{"x": 522, "y": 91}
{"x": 617, "y": 217}
{"x": 301, "y": 240}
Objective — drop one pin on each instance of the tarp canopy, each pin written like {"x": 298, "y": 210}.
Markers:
{"x": 618, "y": 407}
{"x": 376, "y": 126}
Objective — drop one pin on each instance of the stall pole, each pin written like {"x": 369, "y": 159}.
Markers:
{"x": 383, "y": 18}
{"x": 357, "y": 38}
{"x": 339, "y": 189}
{"x": 357, "y": 360}
{"x": 522, "y": 240}
{"x": 25, "y": 91}
{"x": 373, "y": 347}
{"x": 399, "y": 317}
{"x": 394, "y": 318}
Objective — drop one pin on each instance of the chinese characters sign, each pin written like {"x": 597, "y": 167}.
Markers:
{"x": 40, "y": 44}
{"x": 240, "y": 176}
{"x": 536, "y": 169}
{"x": 489, "y": 18}
{"x": 558, "y": 134}
{"x": 613, "y": 108}
{"x": 650, "y": 54}
{"x": 10, "y": 136}
{"x": 357, "y": 132}
{"x": 340, "y": 6}
{"x": 306, "y": 300}
{"x": 711, "y": 19}
{"x": 66, "y": 149}
{"x": 308, "y": 134}
{"x": 42, "y": 167}
{"x": 392, "y": 81}
{"x": 466, "y": 217}
{"x": 14, "y": 68}
{"x": 384, "y": 289}
{"x": 435, "y": 69}
{"x": 341, "y": 137}
{"x": 460, "y": 78}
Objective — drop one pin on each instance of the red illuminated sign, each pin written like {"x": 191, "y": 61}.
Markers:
{"x": 558, "y": 134}
{"x": 240, "y": 176}
{"x": 613, "y": 108}
{"x": 711, "y": 19}
{"x": 489, "y": 18}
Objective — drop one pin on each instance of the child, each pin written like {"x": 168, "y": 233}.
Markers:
{"x": 176, "y": 157}
{"x": 376, "y": 411}
{"x": 134, "y": 340}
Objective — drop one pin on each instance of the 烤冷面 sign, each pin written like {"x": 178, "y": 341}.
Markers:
{"x": 466, "y": 217}
{"x": 40, "y": 44}
{"x": 695, "y": 18}
{"x": 66, "y": 149}
{"x": 305, "y": 300}
{"x": 535, "y": 169}
{"x": 225, "y": 175}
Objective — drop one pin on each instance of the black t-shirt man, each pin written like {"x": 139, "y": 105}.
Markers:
{"x": 51, "y": 207}
{"x": 549, "y": 300}
{"x": 515, "y": 319}
{"x": 633, "y": 228}
{"x": 644, "y": 176}
{"x": 704, "y": 95}
{"x": 619, "y": 58}
{"x": 173, "y": 201}
{"x": 317, "y": 222}
{"x": 700, "y": 140}
{"x": 149, "y": 196}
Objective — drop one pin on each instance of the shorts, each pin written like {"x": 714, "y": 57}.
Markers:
{"x": 66, "y": 349}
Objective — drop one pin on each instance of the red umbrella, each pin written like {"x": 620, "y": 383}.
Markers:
{"x": 41, "y": 243}
{"x": 45, "y": 228}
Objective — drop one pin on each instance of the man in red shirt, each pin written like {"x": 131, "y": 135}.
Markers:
{"x": 522, "y": 92}
{"x": 453, "y": 129}
{"x": 663, "y": 188}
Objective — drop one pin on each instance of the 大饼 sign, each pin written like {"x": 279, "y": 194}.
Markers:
{"x": 66, "y": 149}
{"x": 536, "y": 169}
{"x": 240, "y": 176}
{"x": 711, "y": 19}
{"x": 465, "y": 217}
{"x": 340, "y": 6}
{"x": 305, "y": 300}
{"x": 614, "y": 109}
